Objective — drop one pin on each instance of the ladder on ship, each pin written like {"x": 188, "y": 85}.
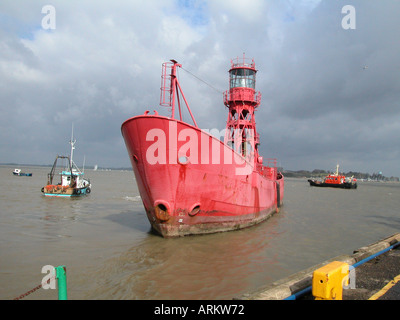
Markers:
{"x": 171, "y": 90}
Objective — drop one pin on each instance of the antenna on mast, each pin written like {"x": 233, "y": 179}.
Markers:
{"x": 72, "y": 143}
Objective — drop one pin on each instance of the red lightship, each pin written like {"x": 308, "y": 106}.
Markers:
{"x": 190, "y": 181}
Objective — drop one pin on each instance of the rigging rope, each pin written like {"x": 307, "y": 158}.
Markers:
{"x": 219, "y": 91}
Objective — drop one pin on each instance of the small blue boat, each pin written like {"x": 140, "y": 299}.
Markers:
{"x": 17, "y": 172}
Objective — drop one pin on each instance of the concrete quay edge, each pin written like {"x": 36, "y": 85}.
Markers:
{"x": 286, "y": 287}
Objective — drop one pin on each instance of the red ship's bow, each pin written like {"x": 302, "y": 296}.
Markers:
{"x": 192, "y": 183}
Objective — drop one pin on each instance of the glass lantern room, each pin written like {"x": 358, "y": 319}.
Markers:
{"x": 242, "y": 78}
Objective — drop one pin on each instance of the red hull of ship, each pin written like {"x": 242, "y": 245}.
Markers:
{"x": 204, "y": 195}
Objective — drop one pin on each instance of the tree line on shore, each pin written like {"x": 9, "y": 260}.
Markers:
{"x": 318, "y": 173}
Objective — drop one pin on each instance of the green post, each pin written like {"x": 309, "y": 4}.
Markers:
{"x": 62, "y": 282}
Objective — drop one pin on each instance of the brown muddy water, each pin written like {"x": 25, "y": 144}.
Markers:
{"x": 105, "y": 241}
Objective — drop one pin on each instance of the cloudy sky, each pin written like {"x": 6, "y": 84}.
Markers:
{"x": 329, "y": 94}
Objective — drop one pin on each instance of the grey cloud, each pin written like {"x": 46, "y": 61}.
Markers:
{"x": 102, "y": 65}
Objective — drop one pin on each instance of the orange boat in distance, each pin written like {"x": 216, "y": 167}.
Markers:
{"x": 190, "y": 181}
{"x": 335, "y": 181}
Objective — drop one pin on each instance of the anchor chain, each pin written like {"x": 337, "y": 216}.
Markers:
{"x": 33, "y": 290}
{"x": 28, "y": 293}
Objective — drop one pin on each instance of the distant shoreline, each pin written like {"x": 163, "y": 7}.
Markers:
{"x": 317, "y": 173}
{"x": 50, "y": 165}
{"x": 322, "y": 173}
{"x": 358, "y": 181}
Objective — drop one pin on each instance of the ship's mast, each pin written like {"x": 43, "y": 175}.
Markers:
{"x": 72, "y": 143}
{"x": 72, "y": 164}
{"x": 170, "y": 89}
{"x": 242, "y": 100}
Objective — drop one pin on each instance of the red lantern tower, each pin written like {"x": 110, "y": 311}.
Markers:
{"x": 242, "y": 100}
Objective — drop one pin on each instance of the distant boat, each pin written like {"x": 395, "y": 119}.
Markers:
{"x": 335, "y": 181}
{"x": 72, "y": 183}
{"x": 17, "y": 172}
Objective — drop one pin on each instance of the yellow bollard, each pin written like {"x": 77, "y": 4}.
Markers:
{"x": 327, "y": 283}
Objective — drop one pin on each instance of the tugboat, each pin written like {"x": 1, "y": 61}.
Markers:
{"x": 17, "y": 172}
{"x": 72, "y": 183}
{"x": 335, "y": 181}
{"x": 190, "y": 181}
